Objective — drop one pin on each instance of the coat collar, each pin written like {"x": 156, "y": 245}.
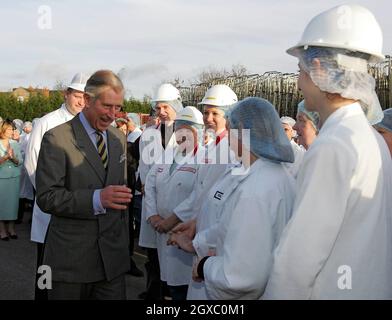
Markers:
{"x": 341, "y": 113}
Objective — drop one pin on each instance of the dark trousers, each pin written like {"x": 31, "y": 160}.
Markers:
{"x": 40, "y": 294}
{"x": 134, "y": 221}
{"x": 101, "y": 290}
{"x": 178, "y": 293}
{"x": 155, "y": 288}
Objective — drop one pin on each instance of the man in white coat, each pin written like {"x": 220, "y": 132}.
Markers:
{"x": 74, "y": 103}
{"x": 153, "y": 141}
{"x": 338, "y": 243}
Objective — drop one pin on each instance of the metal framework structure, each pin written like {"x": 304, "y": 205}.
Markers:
{"x": 281, "y": 89}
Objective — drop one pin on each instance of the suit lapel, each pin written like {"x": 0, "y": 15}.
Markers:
{"x": 85, "y": 146}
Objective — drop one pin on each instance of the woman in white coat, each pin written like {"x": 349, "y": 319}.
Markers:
{"x": 338, "y": 244}
{"x": 244, "y": 215}
{"x": 168, "y": 184}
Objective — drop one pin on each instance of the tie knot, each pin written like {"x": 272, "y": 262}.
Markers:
{"x": 99, "y": 133}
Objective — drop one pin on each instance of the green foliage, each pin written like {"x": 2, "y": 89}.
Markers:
{"x": 133, "y": 105}
{"x": 38, "y": 105}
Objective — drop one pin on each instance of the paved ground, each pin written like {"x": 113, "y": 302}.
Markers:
{"x": 17, "y": 267}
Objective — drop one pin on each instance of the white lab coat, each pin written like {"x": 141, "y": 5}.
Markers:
{"x": 40, "y": 220}
{"x": 164, "y": 192}
{"x": 341, "y": 224}
{"x": 207, "y": 175}
{"x": 26, "y": 188}
{"x": 251, "y": 214}
{"x": 299, "y": 153}
{"x": 150, "y": 148}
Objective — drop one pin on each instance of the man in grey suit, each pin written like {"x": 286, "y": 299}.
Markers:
{"x": 81, "y": 181}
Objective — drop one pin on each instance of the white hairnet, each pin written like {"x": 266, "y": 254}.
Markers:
{"x": 18, "y": 124}
{"x": 135, "y": 118}
{"x": 288, "y": 120}
{"x": 386, "y": 122}
{"x": 27, "y": 124}
{"x": 313, "y": 116}
{"x": 346, "y": 74}
{"x": 267, "y": 138}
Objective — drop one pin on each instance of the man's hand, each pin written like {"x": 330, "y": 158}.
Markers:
{"x": 182, "y": 241}
{"x": 188, "y": 228}
{"x": 167, "y": 224}
{"x": 116, "y": 197}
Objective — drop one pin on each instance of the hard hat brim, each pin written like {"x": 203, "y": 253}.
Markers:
{"x": 77, "y": 87}
{"x": 374, "y": 57}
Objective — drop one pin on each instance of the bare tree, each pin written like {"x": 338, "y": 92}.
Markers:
{"x": 59, "y": 85}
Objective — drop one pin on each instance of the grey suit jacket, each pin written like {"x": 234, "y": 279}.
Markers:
{"x": 80, "y": 246}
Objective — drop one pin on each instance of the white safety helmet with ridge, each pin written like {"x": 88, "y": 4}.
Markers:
{"x": 167, "y": 92}
{"x": 78, "y": 82}
{"x": 351, "y": 27}
{"x": 190, "y": 114}
{"x": 219, "y": 95}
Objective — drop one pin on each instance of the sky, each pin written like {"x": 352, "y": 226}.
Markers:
{"x": 151, "y": 41}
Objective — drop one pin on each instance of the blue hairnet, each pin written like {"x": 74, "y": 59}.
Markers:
{"x": 313, "y": 116}
{"x": 386, "y": 122}
{"x": 267, "y": 137}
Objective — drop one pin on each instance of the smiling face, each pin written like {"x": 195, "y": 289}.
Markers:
{"x": 101, "y": 112}
{"x": 7, "y": 131}
{"x": 214, "y": 119}
{"x": 74, "y": 101}
{"x": 305, "y": 130}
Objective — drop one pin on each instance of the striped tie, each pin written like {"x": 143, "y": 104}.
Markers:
{"x": 103, "y": 153}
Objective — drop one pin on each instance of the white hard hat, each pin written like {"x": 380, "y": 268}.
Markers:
{"x": 167, "y": 92}
{"x": 190, "y": 114}
{"x": 219, "y": 95}
{"x": 350, "y": 27}
{"x": 78, "y": 82}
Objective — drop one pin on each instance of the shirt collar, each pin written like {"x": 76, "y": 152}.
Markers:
{"x": 220, "y": 137}
{"x": 68, "y": 115}
{"x": 90, "y": 130}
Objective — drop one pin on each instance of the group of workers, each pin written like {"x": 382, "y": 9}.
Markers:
{"x": 301, "y": 222}
{"x": 237, "y": 203}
